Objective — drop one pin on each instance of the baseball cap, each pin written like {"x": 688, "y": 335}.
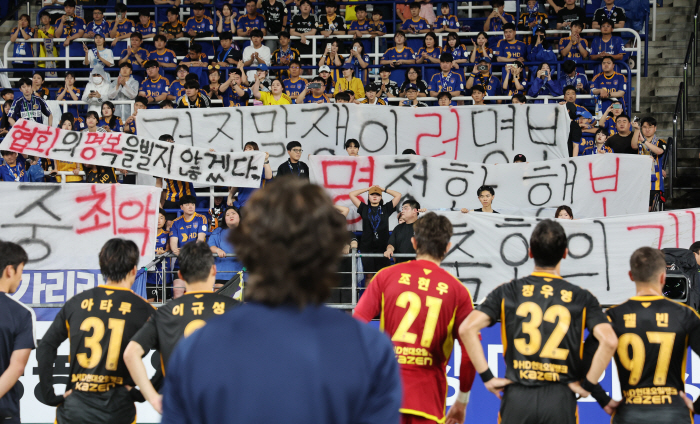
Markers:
{"x": 519, "y": 158}
{"x": 485, "y": 59}
{"x": 262, "y": 67}
{"x": 606, "y": 21}
{"x": 411, "y": 87}
{"x": 375, "y": 190}
{"x": 348, "y": 65}
{"x": 584, "y": 114}
{"x": 385, "y": 68}
{"x": 371, "y": 87}
{"x": 324, "y": 68}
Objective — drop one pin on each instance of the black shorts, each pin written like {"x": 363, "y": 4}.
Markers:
{"x": 112, "y": 407}
{"x": 550, "y": 404}
{"x": 650, "y": 414}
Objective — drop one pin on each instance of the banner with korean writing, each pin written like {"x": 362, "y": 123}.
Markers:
{"x": 488, "y": 134}
{"x": 63, "y": 226}
{"x": 490, "y": 249}
{"x": 137, "y": 154}
{"x": 593, "y": 186}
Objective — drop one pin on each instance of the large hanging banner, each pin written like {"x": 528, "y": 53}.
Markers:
{"x": 484, "y": 134}
{"x": 63, "y": 226}
{"x": 491, "y": 249}
{"x": 137, "y": 154}
{"x": 593, "y": 186}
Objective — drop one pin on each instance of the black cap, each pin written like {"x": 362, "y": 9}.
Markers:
{"x": 385, "y": 68}
{"x": 519, "y": 158}
{"x": 371, "y": 87}
{"x": 198, "y": 6}
{"x": 606, "y": 21}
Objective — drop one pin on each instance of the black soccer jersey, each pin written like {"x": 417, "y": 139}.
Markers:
{"x": 542, "y": 321}
{"x": 653, "y": 337}
{"x": 178, "y": 318}
{"x": 99, "y": 324}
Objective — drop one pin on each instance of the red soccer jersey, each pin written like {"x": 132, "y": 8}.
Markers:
{"x": 421, "y": 307}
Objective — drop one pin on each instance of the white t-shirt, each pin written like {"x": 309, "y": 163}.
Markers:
{"x": 106, "y": 54}
{"x": 263, "y": 52}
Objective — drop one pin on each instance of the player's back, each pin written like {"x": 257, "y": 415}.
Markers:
{"x": 653, "y": 337}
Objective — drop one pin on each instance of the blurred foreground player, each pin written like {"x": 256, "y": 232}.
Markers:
{"x": 542, "y": 321}
{"x": 421, "y": 307}
{"x": 17, "y": 331}
{"x": 179, "y": 318}
{"x": 653, "y": 338}
{"x": 98, "y": 323}
{"x": 283, "y": 356}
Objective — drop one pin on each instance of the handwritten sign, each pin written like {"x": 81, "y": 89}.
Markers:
{"x": 63, "y": 226}
{"x": 485, "y": 134}
{"x": 490, "y": 249}
{"x": 593, "y": 186}
{"x": 137, "y": 154}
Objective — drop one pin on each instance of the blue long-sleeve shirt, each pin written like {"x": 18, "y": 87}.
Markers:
{"x": 539, "y": 87}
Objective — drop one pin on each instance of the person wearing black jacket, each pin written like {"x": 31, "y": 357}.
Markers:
{"x": 293, "y": 166}
{"x": 400, "y": 240}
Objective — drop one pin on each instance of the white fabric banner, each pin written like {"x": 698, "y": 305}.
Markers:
{"x": 63, "y": 226}
{"x": 138, "y": 154}
{"x": 491, "y": 249}
{"x": 593, "y": 186}
{"x": 488, "y": 134}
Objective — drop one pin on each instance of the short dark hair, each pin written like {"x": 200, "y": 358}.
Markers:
{"x": 6, "y": 91}
{"x": 290, "y": 239}
{"x": 548, "y": 243}
{"x": 69, "y": 3}
{"x": 648, "y": 120}
{"x": 141, "y": 99}
{"x": 192, "y": 84}
{"x": 151, "y": 63}
{"x": 413, "y": 203}
{"x": 352, "y": 141}
{"x": 485, "y": 188}
{"x": 253, "y": 144}
{"x": 195, "y": 48}
{"x": 607, "y": 57}
{"x": 25, "y": 81}
{"x": 577, "y": 23}
{"x": 125, "y": 65}
{"x": 161, "y": 211}
{"x": 173, "y": 11}
{"x": 305, "y": 2}
{"x": 120, "y": 7}
{"x": 191, "y": 77}
{"x": 479, "y": 88}
{"x": 568, "y": 66}
{"x": 160, "y": 37}
{"x": 445, "y": 57}
{"x": 408, "y": 152}
{"x": 137, "y": 35}
{"x": 625, "y": 116}
{"x": 256, "y": 33}
{"x": 342, "y": 96}
{"x": 361, "y": 7}
{"x": 284, "y": 34}
{"x": 444, "y": 94}
{"x": 165, "y": 103}
{"x": 293, "y": 144}
{"x": 93, "y": 114}
{"x": 509, "y": 25}
{"x": 195, "y": 260}
{"x": 521, "y": 97}
{"x": 432, "y": 233}
{"x": 565, "y": 209}
{"x": 165, "y": 137}
{"x": 118, "y": 257}
{"x": 414, "y": 6}
{"x": 295, "y": 62}
{"x": 695, "y": 247}
{"x": 11, "y": 254}
{"x": 497, "y": 3}
{"x": 144, "y": 12}
{"x": 226, "y": 35}
{"x": 188, "y": 198}
{"x": 647, "y": 263}
{"x": 569, "y": 87}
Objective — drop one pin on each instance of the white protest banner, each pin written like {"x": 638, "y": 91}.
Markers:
{"x": 491, "y": 249}
{"x": 63, "y": 226}
{"x": 485, "y": 134}
{"x": 593, "y": 186}
{"x": 137, "y": 154}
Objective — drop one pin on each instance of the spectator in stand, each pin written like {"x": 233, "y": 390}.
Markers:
{"x": 607, "y": 45}
{"x": 244, "y": 193}
{"x": 100, "y": 55}
{"x": 623, "y": 141}
{"x": 135, "y": 55}
{"x": 67, "y": 123}
{"x": 155, "y": 87}
{"x": 412, "y": 97}
{"x": 539, "y": 50}
{"x": 5, "y": 119}
{"x": 167, "y": 104}
{"x": 359, "y": 28}
{"x": 225, "y": 21}
{"x": 478, "y": 94}
{"x": 29, "y": 106}
{"x": 146, "y": 26}
{"x": 456, "y": 49}
{"x": 446, "y": 22}
{"x": 481, "y": 48}
{"x": 444, "y": 99}
{"x": 387, "y": 87}
{"x": 329, "y": 84}
{"x": 14, "y": 168}
{"x": 166, "y": 58}
{"x": 109, "y": 121}
{"x": 371, "y": 97}
{"x": 570, "y": 76}
{"x": 295, "y": 85}
{"x": 140, "y": 103}
{"x": 332, "y": 58}
{"x": 609, "y": 12}
{"x": 574, "y": 47}
{"x": 212, "y": 89}
{"x": 195, "y": 57}
{"x": 486, "y": 195}
{"x": 316, "y": 95}
{"x": 397, "y": 56}
{"x": 350, "y": 82}
{"x": 173, "y": 190}
{"x": 256, "y": 53}
{"x": 509, "y": 49}
{"x": 304, "y": 23}
{"x": 569, "y": 92}
{"x": 377, "y": 28}
{"x": 375, "y": 225}
{"x": 495, "y": 21}
{"x": 46, "y": 30}
{"x": 99, "y": 24}
{"x": 569, "y": 14}
{"x": 415, "y": 25}
{"x": 649, "y": 144}
{"x": 201, "y": 26}
{"x": 124, "y": 87}
{"x": 446, "y": 80}
{"x": 70, "y": 92}
{"x": 519, "y": 158}
{"x": 174, "y": 28}
{"x": 598, "y": 147}
{"x": 427, "y": 12}
{"x": 352, "y": 147}
{"x": 261, "y": 71}
{"x": 226, "y": 267}
{"x": 430, "y": 54}
{"x": 177, "y": 87}
{"x": 193, "y": 99}
{"x": 413, "y": 76}
{"x": 609, "y": 84}
{"x": 608, "y": 121}
{"x": 38, "y": 88}
{"x": 284, "y": 55}
{"x": 343, "y": 97}
{"x": 7, "y": 95}
{"x": 94, "y": 173}
{"x": 275, "y": 12}
{"x": 330, "y": 23}
{"x": 276, "y": 95}
{"x": 481, "y": 75}
{"x": 531, "y": 19}
{"x": 513, "y": 81}
{"x": 400, "y": 238}
{"x": 251, "y": 21}
{"x": 542, "y": 83}
{"x": 359, "y": 59}
{"x": 293, "y": 165}
{"x": 564, "y": 212}
{"x": 70, "y": 26}
{"x": 22, "y": 49}
{"x": 233, "y": 92}
{"x": 187, "y": 228}
{"x": 122, "y": 28}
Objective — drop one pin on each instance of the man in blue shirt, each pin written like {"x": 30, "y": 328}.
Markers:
{"x": 99, "y": 24}
{"x": 398, "y": 55}
{"x": 415, "y": 25}
{"x": 154, "y": 88}
{"x": 509, "y": 49}
{"x": 284, "y": 334}
{"x": 70, "y": 27}
{"x": 446, "y": 80}
{"x": 607, "y": 44}
{"x": 17, "y": 331}
{"x": 481, "y": 75}
{"x": 608, "y": 84}
{"x": 201, "y": 25}
{"x": 495, "y": 21}
{"x": 29, "y": 106}
{"x": 13, "y": 168}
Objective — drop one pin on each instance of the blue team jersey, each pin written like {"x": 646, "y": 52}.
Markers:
{"x": 245, "y": 23}
{"x": 592, "y": 150}
{"x": 612, "y": 47}
{"x": 574, "y": 81}
{"x": 118, "y": 126}
{"x": 310, "y": 98}
{"x": 32, "y": 109}
{"x": 511, "y": 89}
{"x": 615, "y": 82}
{"x": 22, "y": 48}
{"x": 155, "y": 88}
{"x": 377, "y": 26}
{"x": 231, "y": 99}
{"x": 230, "y": 27}
{"x": 452, "y": 83}
{"x": 429, "y": 71}
{"x": 70, "y": 27}
{"x": 491, "y": 84}
{"x": 357, "y": 26}
{"x": 104, "y": 28}
{"x": 497, "y": 26}
{"x": 458, "y": 53}
{"x": 294, "y": 88}
{"x": 167, "y": 56}
{"x": 610, "y": 125}
{"x": 203, "y": 25}
{"x": 449, "y": 21}
{"x": 177, "y": 89}
{"x": 17, "y": 173}
{"x": 187, "y": 231}
{"x": 434, "y": 52}
{"x": 162, "y": 239}
{"x": 574, "y": 53}
{"x": 399, "y": 75}
{"x": 415, "y": 43}
{"x": 125, "y": 27}
{"x": 225, "y": 267}
{"x": 510, "y": 49}
{"x": 176, "y": 189}
{"x": 148, "y": 29}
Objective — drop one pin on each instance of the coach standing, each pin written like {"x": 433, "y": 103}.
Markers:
{"x": 17, "y": 331}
